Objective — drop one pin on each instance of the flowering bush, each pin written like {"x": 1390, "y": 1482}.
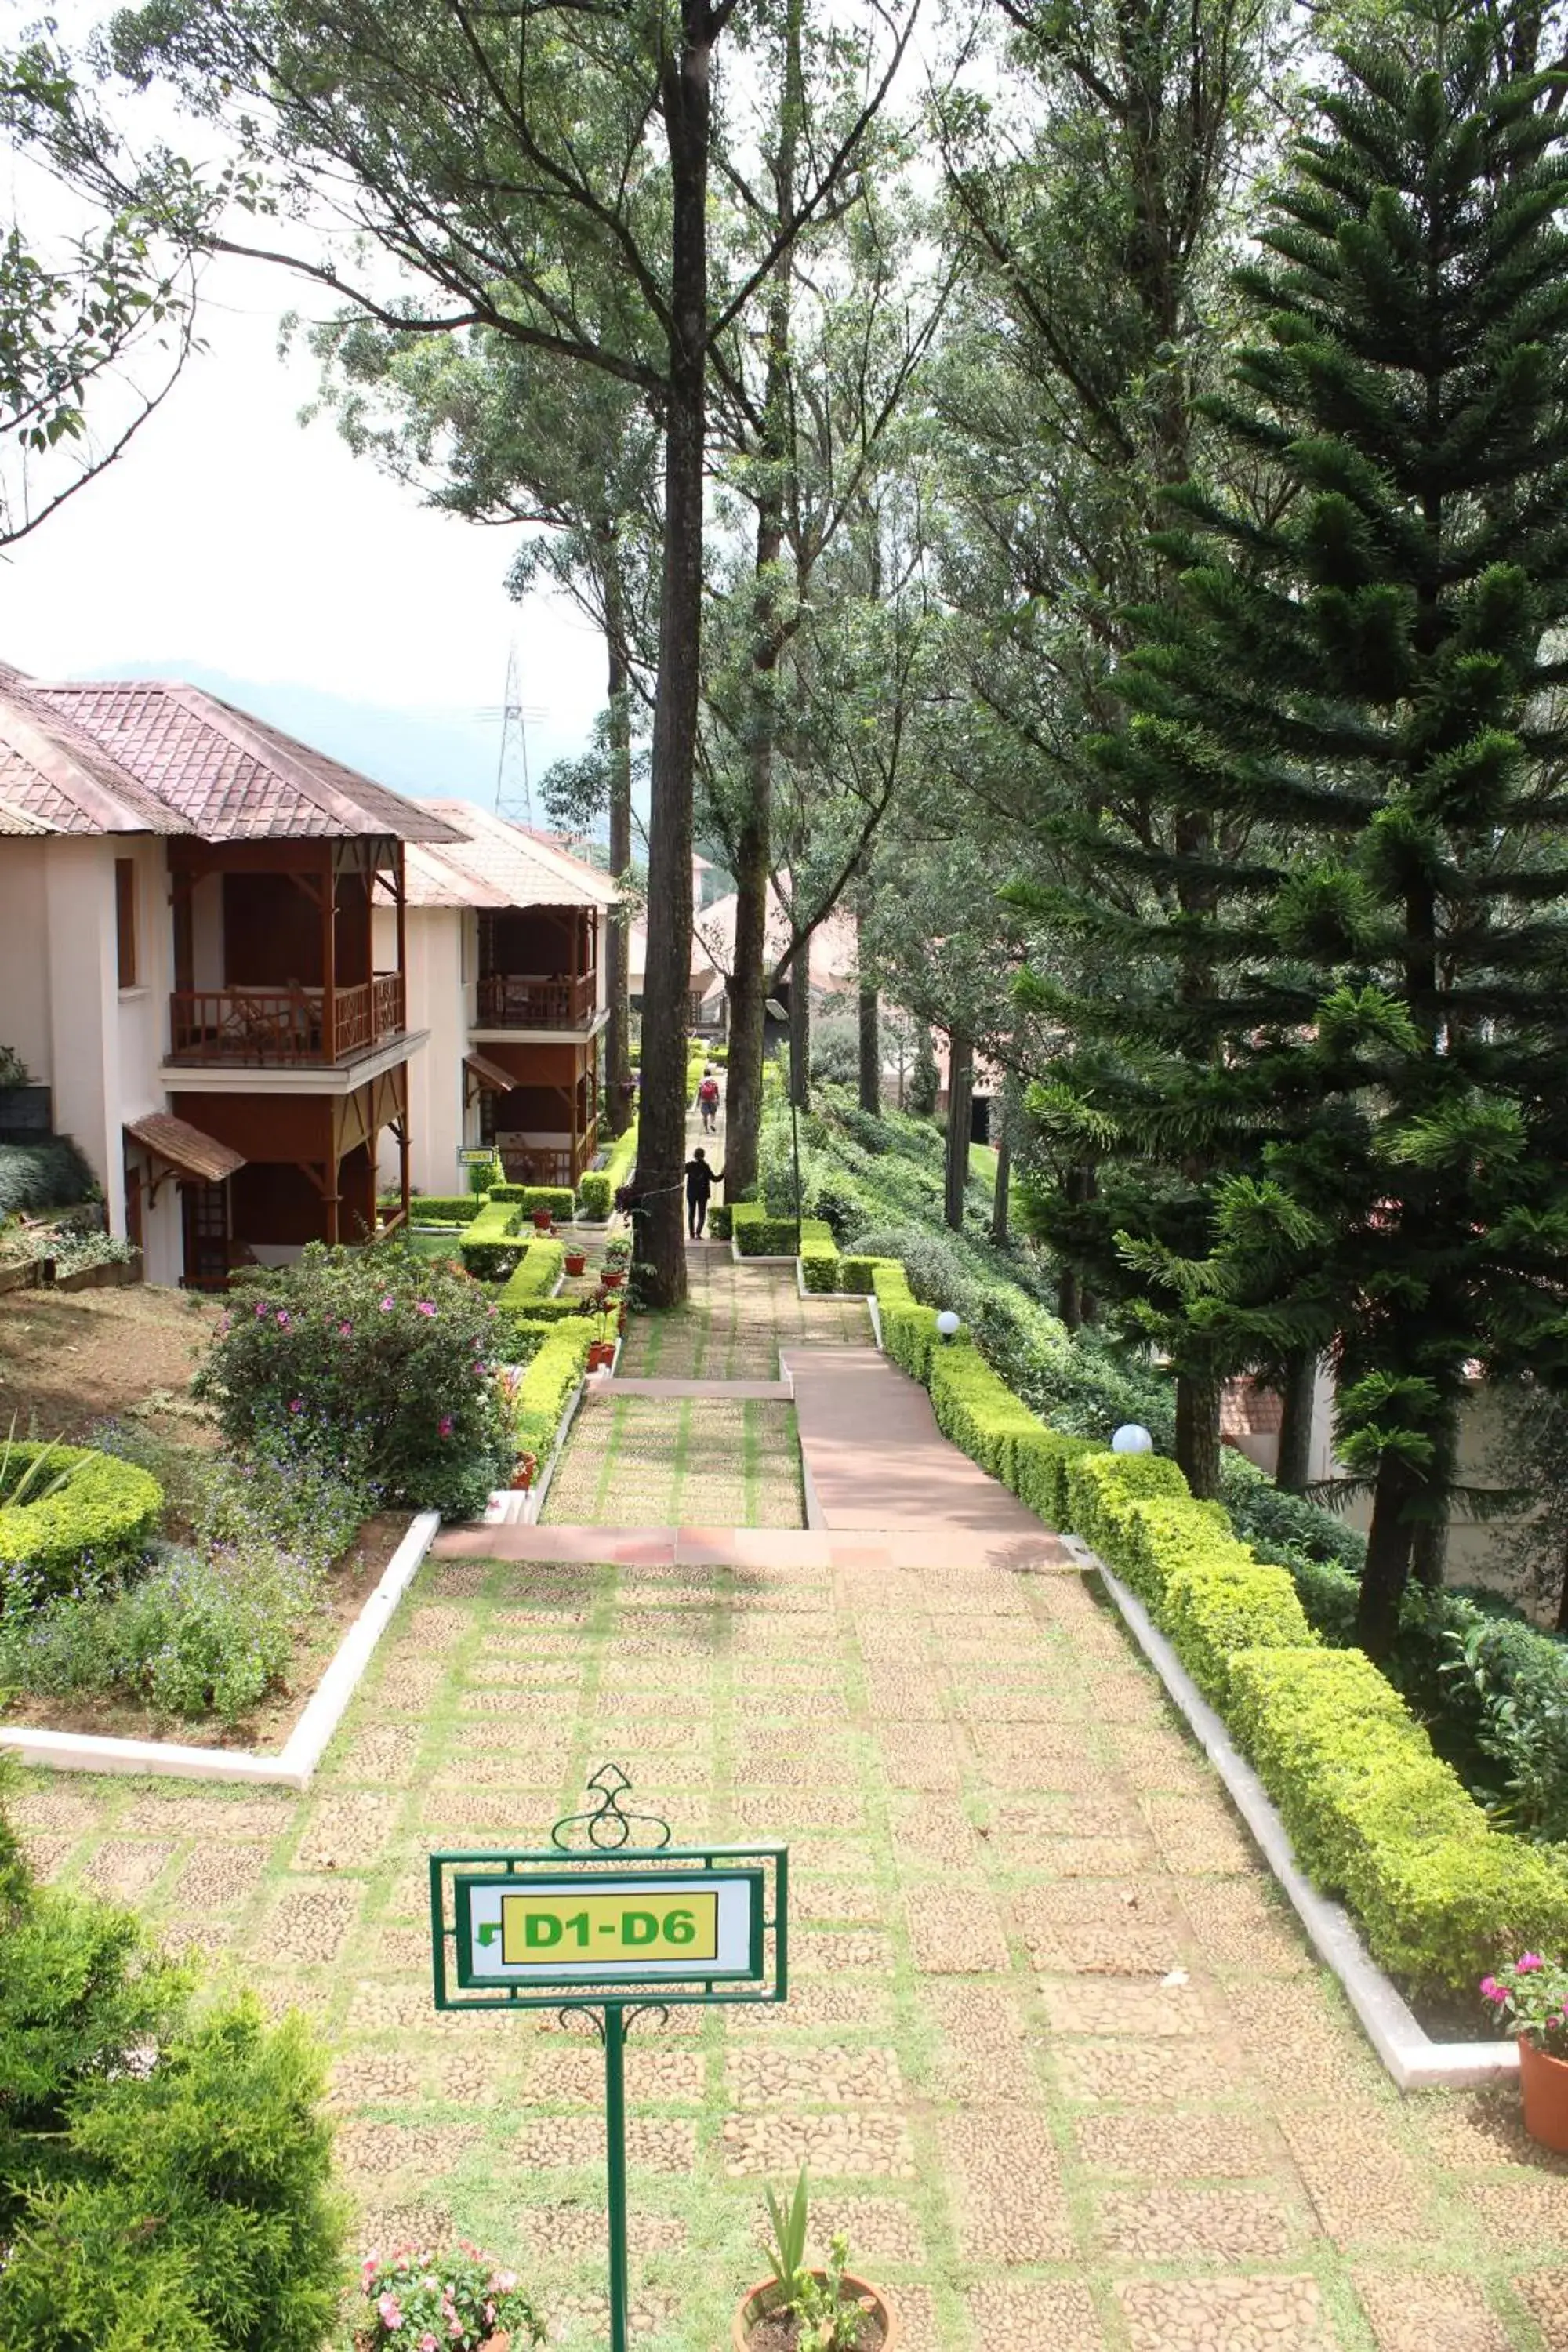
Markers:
{"x": 1533, "y": 1994}
{"x": 454, "y": 2302}
{"x": 376, "y": 1362}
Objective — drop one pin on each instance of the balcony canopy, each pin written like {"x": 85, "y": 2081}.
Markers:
{"x": 184, "y": 1147}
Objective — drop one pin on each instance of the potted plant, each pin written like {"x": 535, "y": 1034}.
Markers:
{"x": 576, "y": 1262}
{"x": 543, "y": 1220}
{"x": 524, "y": 1470}
{"x": 805, "y": 2310}
{"x": 617, "y": 1258}
{"x": 1533, "y": 1993}
{"x": 461, "y": 2300}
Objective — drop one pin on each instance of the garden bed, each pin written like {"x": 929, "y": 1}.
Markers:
{"x": 70, "y": 1360}
{"x": 349, "y": 1584}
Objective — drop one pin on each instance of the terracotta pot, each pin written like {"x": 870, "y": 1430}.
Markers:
{"x": 601, "y": 1355}
{"x": 543, "y": 1223}
{"x": 1543, "y": 2081}
{"x": 576, "y": 1262}
{"x": 612, "y": 1278}
{"x": 761, "y": 2300}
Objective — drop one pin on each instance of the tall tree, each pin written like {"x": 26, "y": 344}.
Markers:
{"x": 545, "y": 168}
{"x": 1373, "y": 674}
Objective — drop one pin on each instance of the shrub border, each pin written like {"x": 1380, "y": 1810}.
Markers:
{"x": 295, "y": 1764}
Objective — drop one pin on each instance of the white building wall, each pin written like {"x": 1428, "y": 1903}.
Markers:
{"x": 437, "y": 1002}
{"x": 84, "y": 1007}
{"x": 24, "y": 968}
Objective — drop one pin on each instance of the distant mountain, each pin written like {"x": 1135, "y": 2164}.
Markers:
{"x": 432, "y": 751}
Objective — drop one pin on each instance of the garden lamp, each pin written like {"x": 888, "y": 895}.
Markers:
{"x": 1131, "y": 1438}
{"x": 947, "y": 1324}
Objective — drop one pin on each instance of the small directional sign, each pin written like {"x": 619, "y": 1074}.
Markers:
{"x": 609, "y": 1929}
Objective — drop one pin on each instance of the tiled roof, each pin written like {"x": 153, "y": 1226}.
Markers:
{"x": 151, "y": 756}
{"x": 185, "y": 1147}
{"x": 498, "y": 864}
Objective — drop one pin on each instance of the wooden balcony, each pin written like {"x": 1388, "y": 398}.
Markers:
{"x": 529, "y": 1001}
{"x": 527, "y": 1162}
{"x": 287, "y": 1027}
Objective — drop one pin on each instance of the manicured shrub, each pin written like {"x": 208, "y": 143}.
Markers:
{"x": 559, "y": 1198}
{"x": 49, "y": 1174}
{"x": 1376, "y": 1817}
{"x": 932, "y": 1269}
{"x": 534, "y": 1276}
{"x": 375, "y": 1361}
{"x": 1100, "y": 1486}
{"x": 973, "y": 1407}
{"x": 491, "y": 1246}
{"x": 757, "y": 1235}
{"x": 719, "y": 1222}
{"x": 856, "y": 1274}
{"x": 818, "y": 1255}
{"x": 595, "y": 1195}
{"x": 83, "y": 1517}
{"x": 622, "y": 1158}
{"x": 1039, "y": 1462}
{"x": 540, "y": 1398}
{"x": 443, "y": 1208}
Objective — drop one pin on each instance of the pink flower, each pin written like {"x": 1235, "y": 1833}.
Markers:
{"x": 1528, "y": 1961}
{"x": 296, "y": 1404}
{"x": 424, "y": 1307}
{"x": 368, "y": 2268}
{"x": 387, "y": 1303}
{"x": 444, "y": 1426}
{"x": 262, "y": 1308}
{"x": 1491, "y": 1989}
{"x": 390, "y": 2312}
{"x": 457, "y": 2330}
{"x": 345, "y": 1330}
{"x": 282, "y": 1318}
{"x": 427, "y": 2343}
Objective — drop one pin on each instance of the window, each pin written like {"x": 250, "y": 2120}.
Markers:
{"x": 125, "y": 918}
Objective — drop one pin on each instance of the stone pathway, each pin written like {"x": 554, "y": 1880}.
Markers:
{"x": 876, "y": 1458}
{"x": 1054, "y": 2052}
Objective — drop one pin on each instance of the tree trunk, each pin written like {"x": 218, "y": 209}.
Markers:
{"x": 1298, "y": 1391}
{"x": 871, "y": 1050}
{"x": 661, "y": 1140}
{"x": 1429, "y": 1546}
{"x": 1070, "y": 1299}
{"x": 800, "y": 1028}
{"x": 1197, "y": 1434}
{"x": 617, "y": 963}
{"x": 1388, "y": 1548}
{"x": 1563, "y": 1594}
{"x": 960, "y": 1097}
{"x": 1004, "y": 1142}
{"x": 751, "y": 850}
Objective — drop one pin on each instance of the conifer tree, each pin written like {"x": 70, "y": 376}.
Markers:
{"x": 1357, "y": 704}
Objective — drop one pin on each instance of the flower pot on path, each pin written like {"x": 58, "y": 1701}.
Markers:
{"x": 543, "y": 1223}
{"x": 1543, "y": 2081}
{"x": 763, "y": 2300}
{"x": 611, "y": 1279}
{"x": 576, "y": 1262}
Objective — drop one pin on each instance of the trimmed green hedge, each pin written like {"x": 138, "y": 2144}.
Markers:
{"x": 441, "y": 1208}
{"x": 486, "y": 1248}
{"x": 756, "y": 1234}
{"x": 535, "y": 1276}
{"x": 595, "y": 1195}
{"x": 101, "y": 1518}
{"x": 858, "y": 1275}
{"x": 1375, "y": 1817}
{"x": 547, "y": 1383}
{"x": 818, "y": 1255}
{"x": 721, "y": 1227}
{"x": 559, "y": 1198}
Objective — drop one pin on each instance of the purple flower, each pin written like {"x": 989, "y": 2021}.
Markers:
{"x": 345, "y": 1330}
{"x": 1527, "y": 1962}
{"x": 296, "y": 1404}
{"x": 387, "y": 1303}
{"x": 444, "y": 1426}
{"x": 424, "y": 1307}
{"x": 262, "y": 1308}
{"x": 1491, "y": 1989}
{"x": 282, "y": 1318}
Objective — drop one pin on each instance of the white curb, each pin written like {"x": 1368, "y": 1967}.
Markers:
{"x": 295, "y": 1764}
{"x": 1413, "y": 2059}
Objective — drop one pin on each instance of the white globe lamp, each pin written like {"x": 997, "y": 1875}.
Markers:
{"x": 1131, "y": 1438}
{"x": 947, "y": 1323}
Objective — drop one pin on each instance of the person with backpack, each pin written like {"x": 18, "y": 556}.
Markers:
{"x": 700, "y": 1182}
{"x": 708, "y": 1099}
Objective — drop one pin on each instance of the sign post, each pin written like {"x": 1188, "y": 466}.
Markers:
{"x": 598, "y": 1918}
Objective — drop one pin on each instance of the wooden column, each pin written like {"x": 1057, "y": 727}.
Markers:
{"x": 403, "y": 1166}
{"x": 398, "y": 877}
{"x": 329, "y": 987}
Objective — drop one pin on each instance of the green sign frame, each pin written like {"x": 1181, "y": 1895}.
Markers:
{"x": 593, "y": 1849}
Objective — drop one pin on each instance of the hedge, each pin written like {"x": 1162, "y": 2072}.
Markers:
{"x": 756, "y": 1234}
{"x": 535, "y": 1276}
{"x": 1375, "y": 1817}
{"x": 548, "y": 1382}
{"x": 719, "y": 1225}
{"x": 439, "y": 1208}
{"x": 858, "y": 1275}
{"x": 101, "y": 1518}
{"x": 559, "y": 1198}
{"x": 818, "y": 1255}
{"x": 486, "y": 1248}
{"x": 595, "y": 1195}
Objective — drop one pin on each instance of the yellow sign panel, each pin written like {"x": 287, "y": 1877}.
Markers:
{"x": 549, "y": 1928}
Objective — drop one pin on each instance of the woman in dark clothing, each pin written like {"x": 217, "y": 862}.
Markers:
{"x": 700, "y": 1182}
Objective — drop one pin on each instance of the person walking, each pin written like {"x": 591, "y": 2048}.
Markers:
{"x": 708, "y": 1099}
{"x": 700, "y": 1182}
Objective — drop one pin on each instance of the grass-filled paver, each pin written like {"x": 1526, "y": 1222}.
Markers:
{"x": 635, "y": 1461}
{"x": 1055, "y": 2053}
{"x": 734, "y": 1321}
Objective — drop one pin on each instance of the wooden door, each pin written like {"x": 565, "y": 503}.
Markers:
{"x": 206, "y": 1219}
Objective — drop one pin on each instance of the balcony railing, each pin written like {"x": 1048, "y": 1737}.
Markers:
{"x": 286, "y": 1026}
{"x": 526, "y": 1163}
{"x": 512, "y": 1000}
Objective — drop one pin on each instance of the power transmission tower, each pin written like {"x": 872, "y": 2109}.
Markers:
{"x": 514, "y": 791}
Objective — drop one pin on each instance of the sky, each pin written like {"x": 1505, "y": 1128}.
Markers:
{"x": 233, "y": 547}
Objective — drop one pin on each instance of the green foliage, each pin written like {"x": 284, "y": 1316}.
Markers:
{"x": 758, "y": 1235}
{"x": 14, "y": 1071}
{"x": 51, "y": 1175}
{"x": 559, "y": 1198}
{"x": 818, "y": 1255}
{"x": 459, "y": 2296}
{"x": 720, "y": 1217}
{"x": 595, "y": 1195}
{"x": 925, "y": 1078}
{"x": 489, "y": 1248}
{"x": 534, "y": 1278}
{"x": 1375, "y": 1817}
{"x": 539, "y": 1397}
{"x": 375, "y": 1361}
{"x": 442, "y": 1208}
{"x": 622, "y": 1158}
{"x": 89, "y": 1519}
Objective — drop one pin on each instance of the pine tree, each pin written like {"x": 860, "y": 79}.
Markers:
{"x": 1359, "y": 699}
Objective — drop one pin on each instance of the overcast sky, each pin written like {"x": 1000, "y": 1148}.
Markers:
{"x": 230, "y": 540}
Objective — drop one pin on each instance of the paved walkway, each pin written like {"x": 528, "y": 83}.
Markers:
{"x": 875, "y": 1457}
